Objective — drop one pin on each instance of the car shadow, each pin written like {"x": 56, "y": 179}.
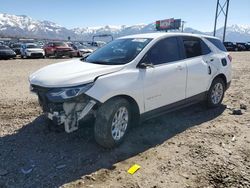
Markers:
{"x": 37, "y": 157}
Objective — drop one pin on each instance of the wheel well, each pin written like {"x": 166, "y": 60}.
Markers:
{"x": 134, "y": 107}
{"x": 223, "y": 77}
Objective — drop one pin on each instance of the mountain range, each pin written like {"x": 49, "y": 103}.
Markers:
{"x": 25, "y": 26}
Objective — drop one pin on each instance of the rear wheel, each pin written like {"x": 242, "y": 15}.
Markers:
{"x": 216, "y": 93}
{"x": 112, "y": 122}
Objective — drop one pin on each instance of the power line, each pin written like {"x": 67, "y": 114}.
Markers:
{"x": 221, "y": 8}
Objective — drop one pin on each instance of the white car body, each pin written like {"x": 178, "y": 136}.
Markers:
{"x": 151, "y": 88}
{"x": 35, "y": 51}
{"x": 85, "y": 50}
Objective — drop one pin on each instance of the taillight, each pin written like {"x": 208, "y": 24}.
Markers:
{"x": 230, "y": 58}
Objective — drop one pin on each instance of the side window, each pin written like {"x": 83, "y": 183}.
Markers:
{"x": 192, "y": 47}
{"x": 165, "y": 51}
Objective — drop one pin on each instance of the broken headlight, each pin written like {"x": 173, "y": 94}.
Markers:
{"x": 60, "y": 94}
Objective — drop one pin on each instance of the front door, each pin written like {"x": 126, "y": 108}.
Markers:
{"x": 165, "y": 81}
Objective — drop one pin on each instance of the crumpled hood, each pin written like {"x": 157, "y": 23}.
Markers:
{"x": 70, "y": 73}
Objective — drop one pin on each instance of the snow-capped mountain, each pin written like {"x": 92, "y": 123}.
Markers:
{"x": 24, "y": 26}
{"x": 236, "y": 33}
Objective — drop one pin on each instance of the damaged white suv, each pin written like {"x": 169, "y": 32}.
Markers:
{"x": 133, "y": 78}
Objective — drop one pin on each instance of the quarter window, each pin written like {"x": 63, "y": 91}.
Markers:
{"x": 217, "y": 43}
{"x": 165, "y": 51}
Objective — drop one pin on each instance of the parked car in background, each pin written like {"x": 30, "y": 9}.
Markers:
{"x": 40, "y": 44}
{"x": 97, "y": 44}
{"x": 79, "y": 50}
{"x": 241, "y": 46}
{"x": 248, "y": 46}
{"x": 31, "y": 50}
{"x": 230, "y": 46}
{"x": 132, "y": 78}
{"x": 16, "y": 47}
{"x": 58, "y": 49}
{"x": 6, "y": 52}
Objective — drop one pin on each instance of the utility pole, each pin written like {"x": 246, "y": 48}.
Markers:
{"x": 221, "y": 8}
{"x": 182, "y": 26}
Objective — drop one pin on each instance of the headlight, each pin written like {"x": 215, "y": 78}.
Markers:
{"x": 67, "y": 93}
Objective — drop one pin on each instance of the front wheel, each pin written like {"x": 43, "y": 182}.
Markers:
{"x": 216, "y": 93}
{"x": 112, "y": 122}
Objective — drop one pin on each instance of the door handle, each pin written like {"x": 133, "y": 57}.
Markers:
{"x": 179, "y": 67}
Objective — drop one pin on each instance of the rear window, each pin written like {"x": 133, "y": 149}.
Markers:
{"x": 217, "y": 43}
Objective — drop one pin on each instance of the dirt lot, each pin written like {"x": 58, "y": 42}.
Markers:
{"x": 193, "y": 147}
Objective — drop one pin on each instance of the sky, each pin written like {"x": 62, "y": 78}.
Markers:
{"x": 198, "y": 14}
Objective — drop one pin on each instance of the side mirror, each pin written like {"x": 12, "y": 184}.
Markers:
{"x": 144, "y": 64}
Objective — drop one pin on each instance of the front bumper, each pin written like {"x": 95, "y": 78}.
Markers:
{"x": 7, "y": 56}
{"x": 72, "y": 118}
{"x": 35, "y": 54}
{"x": 63, "y": 52}
{"x": 68, "y": 112}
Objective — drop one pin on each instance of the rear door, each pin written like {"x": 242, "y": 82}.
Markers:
{"x": 198, "y": 58}
{"x": 165, "y": 82}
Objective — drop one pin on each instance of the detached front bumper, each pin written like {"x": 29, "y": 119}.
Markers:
{"x": 68, "y": 112}
{"x": 72, "y": 114}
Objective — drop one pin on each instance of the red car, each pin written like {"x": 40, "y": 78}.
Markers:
{"x": 58, "y": 49}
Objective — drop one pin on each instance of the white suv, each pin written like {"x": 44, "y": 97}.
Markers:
{"x": 31, "y": 50}
{"x": 133, "y": 78}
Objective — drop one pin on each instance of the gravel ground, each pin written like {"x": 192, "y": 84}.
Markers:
{"x": 192, "y": 147}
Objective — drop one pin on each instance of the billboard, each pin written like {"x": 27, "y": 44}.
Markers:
{"x": 168, "y": 24}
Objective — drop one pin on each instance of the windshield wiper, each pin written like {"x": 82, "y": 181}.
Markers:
{"x": 99, "y": 62}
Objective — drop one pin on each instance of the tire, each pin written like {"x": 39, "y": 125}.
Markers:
{"x": 105, "y": 122}
{"x": 56, "y": 55}
{"x": 216, "y": 93}
{"x": 46, "y": 55}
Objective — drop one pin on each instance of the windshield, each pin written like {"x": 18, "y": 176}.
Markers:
{"x": 32, "y": 46}
{"x": 118, "y": 52}
{"x": 59, "y": 44}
